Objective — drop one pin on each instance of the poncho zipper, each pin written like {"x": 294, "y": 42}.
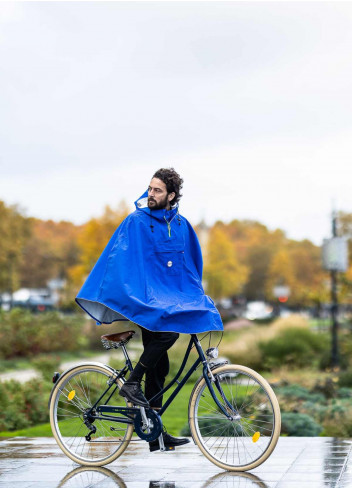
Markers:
{"x": 168, "y": 224}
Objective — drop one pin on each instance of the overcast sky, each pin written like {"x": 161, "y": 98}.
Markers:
{"x": 249, "y": 101}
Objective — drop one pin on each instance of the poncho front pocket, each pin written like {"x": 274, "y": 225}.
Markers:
{"x": 169, "y": 262}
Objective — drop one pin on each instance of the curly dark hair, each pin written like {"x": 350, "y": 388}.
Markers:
{"x": 172, "y": 180}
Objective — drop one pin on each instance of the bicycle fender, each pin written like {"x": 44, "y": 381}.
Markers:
{"x": 218, "y": 364}
{"x": 95, "y": 364}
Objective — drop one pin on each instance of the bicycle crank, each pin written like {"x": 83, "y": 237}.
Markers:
{"x": 150, "y": 427}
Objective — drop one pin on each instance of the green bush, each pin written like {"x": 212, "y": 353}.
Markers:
{"x": 345, "y": 379}
{"x": 23, "y": 405}
{"x": 26, "y": 334}
{"x": 299, "y": 393}
{"x": 296, "y": 347}
{"x": 314, "y": 410}
{"x": 344, "y": 393}
{"x": 327, "y": 388}
{"x": 299, "y": 424}
{"x": 47, "y": 365}
{"x": 252, "y": 357}
{"x": 338, "y": 419}
{"x": 345, "y": 344}
{"x": 325, "y": 360}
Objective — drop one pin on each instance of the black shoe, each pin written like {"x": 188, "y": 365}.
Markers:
{"x": 170, "y": 442}
{"x": 132, "y": 392}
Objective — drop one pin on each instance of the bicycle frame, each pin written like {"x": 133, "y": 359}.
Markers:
{"x": 130, "y": 412}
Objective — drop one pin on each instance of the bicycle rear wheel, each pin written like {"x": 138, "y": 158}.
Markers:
{"x": 249, "y": 438}
{"x": 74, "y": 394}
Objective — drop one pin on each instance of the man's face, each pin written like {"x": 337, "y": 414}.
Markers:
{"x": 158, "y": 198}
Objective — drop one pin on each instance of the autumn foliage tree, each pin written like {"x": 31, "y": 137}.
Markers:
{"x": 272, "y": 259}
{"x": 224, "y": 274}
{"x": 344, "y": 228}
{"x": 49, "y": 252}
{"x": 255, "y": 245}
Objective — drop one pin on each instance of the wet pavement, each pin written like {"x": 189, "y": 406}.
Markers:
{"x": 296, "y": 462}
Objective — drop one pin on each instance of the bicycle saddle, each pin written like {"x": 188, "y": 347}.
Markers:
{"x": 123, "y": 337}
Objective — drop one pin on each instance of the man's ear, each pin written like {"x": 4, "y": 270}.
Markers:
{"x": 171, "y": 196}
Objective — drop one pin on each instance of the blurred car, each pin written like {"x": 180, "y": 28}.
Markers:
{"x": 36, "y": 300}
{"x": 229, "y": 309}
{"x": 258, "y": 310}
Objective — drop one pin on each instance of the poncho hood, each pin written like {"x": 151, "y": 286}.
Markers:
{"x": 142, "y": 204}
{"x": 150, "y": 272}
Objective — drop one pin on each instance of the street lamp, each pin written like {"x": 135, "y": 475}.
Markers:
{"x": 335, "y": 259}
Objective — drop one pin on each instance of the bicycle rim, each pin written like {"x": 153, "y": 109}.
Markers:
{"x": 249, "y": 438}
{"x": 75, "y": 393}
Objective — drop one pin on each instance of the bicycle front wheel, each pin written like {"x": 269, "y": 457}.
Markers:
{"x": 246, "y": 440}
{"x": 75, "y": 393}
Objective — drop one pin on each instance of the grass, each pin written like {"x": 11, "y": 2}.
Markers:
{"x": 39, "y": 430}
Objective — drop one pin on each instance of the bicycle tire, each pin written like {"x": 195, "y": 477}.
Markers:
{"x": 66, "y": 415}
{"x": 239, "y": 444}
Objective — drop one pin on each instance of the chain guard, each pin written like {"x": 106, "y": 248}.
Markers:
{"x": 155, "y": 428}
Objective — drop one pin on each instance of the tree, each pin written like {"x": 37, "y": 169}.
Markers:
{"x": 255, "y": 246}
{"x": 281, "y": 272}
{"x": 224, "y": 274}
{"x": 309, "y": 282}
{"x": 344, "y": 221}
{"x": 15, "y": 229}
{"x": 49, "y": 252}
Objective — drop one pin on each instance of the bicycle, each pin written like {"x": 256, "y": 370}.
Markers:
{"x": 233, "y": 413}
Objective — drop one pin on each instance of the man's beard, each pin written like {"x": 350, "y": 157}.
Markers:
{"x": 161, "y": 205}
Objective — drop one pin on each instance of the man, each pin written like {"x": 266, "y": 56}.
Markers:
{"x": 150, "y": 273}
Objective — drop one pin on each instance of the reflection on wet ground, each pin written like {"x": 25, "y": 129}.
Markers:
{"x": 296, "y": 462}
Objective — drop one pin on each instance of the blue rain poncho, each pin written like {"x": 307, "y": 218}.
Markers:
{"x": 150, "y": 272}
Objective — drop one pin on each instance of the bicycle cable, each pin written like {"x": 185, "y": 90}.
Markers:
{"x": 209, "y": 333}
{"x": 222, "y": 334}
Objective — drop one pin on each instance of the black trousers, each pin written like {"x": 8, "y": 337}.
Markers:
{"x": 156, "y": 359}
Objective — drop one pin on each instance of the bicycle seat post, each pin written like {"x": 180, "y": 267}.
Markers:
{"x": 128, "y": 361}
{"x": 117, "y": 340}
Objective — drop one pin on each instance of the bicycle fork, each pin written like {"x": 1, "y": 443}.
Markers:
{"x": 231, "y": 413}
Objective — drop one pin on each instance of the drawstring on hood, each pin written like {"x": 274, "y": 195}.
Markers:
{"x": 151, "y": 225}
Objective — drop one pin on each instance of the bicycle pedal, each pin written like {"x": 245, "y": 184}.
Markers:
{"x": 168, "y": 449}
